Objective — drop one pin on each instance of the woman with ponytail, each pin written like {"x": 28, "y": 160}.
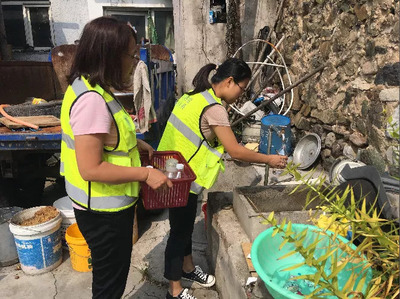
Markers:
{"x": 199, "y": 128}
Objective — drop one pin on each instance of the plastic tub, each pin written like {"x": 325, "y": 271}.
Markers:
{"x": 38, "y": 246}
{"x": 79, "y": 252}
{"x": 64, "y": 204}
{"x": 8, "y": 251}
{"x": 265, "y": 254}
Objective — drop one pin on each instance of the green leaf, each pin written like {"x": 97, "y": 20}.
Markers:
{"x": 276, "y": 230}
{"x": 317, "y": 277}
{"x": 350, "y": 283}
{"x": 283, "y": 243}
{"x": 337, "y": 270}
{"x": 287, "y": 254}
{"x": 327, "y": 255}
{"x": 294, "y": 266}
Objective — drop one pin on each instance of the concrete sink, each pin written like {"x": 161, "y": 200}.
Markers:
{"x": 251, "y": 203}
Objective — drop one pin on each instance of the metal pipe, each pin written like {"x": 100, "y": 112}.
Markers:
{"x": 266, "y": 59}
{"x": 265, "y": 103}
{"x": 266, "y": 175}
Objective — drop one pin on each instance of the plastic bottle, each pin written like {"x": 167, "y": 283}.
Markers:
{"x": 179, "y": 168}
{"x": 170, "y": 168}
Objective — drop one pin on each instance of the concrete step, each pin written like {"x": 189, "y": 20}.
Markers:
{"x": 225, "y": 236}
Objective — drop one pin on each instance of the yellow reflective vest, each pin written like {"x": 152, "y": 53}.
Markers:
{"x": 182, "y": 133}
{"x": 94, "y": 195}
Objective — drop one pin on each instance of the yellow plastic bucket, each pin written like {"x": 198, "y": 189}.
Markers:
{"x": 79, "y": 251}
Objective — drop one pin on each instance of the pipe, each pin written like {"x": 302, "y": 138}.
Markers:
{"x": 265, "y": 103}
{"x": 266, "y": 175}
{"x": 16, "y": 120}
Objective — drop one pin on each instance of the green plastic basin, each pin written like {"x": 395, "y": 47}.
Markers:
{"x": 265, "y": 254}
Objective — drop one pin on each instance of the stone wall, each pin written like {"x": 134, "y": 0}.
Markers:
{"x": 349, "y": 105}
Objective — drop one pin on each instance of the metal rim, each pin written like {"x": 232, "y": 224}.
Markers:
{"x": 299, "y": 146}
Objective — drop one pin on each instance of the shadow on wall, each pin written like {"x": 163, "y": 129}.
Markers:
{"x": 59, "y": 32}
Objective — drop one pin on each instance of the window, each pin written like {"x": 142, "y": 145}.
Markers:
{"x": 162, "y": 20}
{"x": 217, "y": 11}
{"x": 28, "y": 24}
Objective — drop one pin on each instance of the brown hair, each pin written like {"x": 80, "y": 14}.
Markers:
{"x": 98, "y": 57}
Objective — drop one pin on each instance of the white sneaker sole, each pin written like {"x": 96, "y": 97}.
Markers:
{"x": 206, "y": 285}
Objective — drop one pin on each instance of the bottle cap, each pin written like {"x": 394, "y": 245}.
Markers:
{"x": 180, "y": 166}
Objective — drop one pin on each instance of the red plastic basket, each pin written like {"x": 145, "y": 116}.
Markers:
{"x": 174, "y": 197}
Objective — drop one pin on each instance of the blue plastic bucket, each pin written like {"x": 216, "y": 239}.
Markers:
{"x": 266, "y": 253}
{"x": 38, "y": 246}
{"x": 281, "y": 135}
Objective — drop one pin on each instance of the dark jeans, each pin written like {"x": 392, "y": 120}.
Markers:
{"x": 179, "y": 243}
{"x": 109, "y": 236}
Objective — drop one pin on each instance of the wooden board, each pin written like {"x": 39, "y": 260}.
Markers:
{"x": 41, "y": 121}
{"x": 246, "y": 247}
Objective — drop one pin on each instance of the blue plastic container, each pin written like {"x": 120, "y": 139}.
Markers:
{"x": 281, "y": 135}
{"x": 265, "y": 255}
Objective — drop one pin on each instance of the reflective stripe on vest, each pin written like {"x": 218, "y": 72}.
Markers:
{"x": 196, "y": 188}
{"x": 79, "y": 87}
{"x": 190, "y": 135}
{"x": 97, "y": 203}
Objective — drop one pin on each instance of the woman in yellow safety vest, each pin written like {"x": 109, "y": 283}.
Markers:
{"x": 199, "y": 128}
{"x": 100, "y": 154}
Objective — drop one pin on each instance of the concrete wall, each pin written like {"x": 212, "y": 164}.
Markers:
{"x": 255, "y": 15}
{"x": 197, "y": 42}
{"x": 69, "y": 18}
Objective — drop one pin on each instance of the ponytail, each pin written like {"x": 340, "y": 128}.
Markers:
{"x": 200, "y": 81}
{"x": 232, "y": 67}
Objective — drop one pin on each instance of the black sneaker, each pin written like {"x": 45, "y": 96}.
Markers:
{"x": 197, "y": 275}
{"x": 184, "y": 294}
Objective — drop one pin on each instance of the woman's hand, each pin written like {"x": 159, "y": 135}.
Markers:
{"x": 157, "y": 180}
{"x": 238, "y": 152}
{"x": 277, "y": 161}
{"x": 145, "y": 147}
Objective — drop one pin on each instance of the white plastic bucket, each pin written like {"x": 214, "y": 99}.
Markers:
{"x": 64, "y": 205}
{"x": 38, "y": 246}
{"x": 8, "y": 251}
{"x": 251, "y": 133}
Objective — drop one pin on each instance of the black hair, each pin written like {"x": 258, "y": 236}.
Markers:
{"x": 232, "y": 67}
{"x": 98, "y": 56}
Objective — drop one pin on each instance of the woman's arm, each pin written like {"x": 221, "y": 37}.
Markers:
{"x": 145, "y": 147}
{"x": 236, "y": 151}
{"x": 89, "y": 151}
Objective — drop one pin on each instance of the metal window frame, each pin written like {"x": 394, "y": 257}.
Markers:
{"x": 136, "y": 11}
{"x": 130, "y": 12}
{"x": 27, "y": 20}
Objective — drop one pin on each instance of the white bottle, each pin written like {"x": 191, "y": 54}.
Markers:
{"x": 170, "y": 168}
{"x": 179, "y": 168}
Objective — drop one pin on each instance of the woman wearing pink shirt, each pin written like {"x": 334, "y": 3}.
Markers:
{"x": 100, "y": 153}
